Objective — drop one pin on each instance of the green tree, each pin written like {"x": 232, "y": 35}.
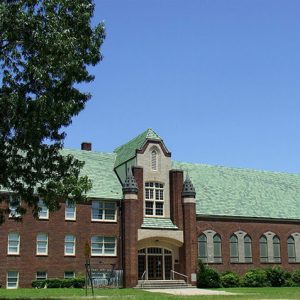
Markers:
{"x": 45, "y": 49}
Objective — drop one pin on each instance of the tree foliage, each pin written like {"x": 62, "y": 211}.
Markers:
{"x": 45, "y": 49}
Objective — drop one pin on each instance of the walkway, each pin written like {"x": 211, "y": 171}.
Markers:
{"x": 189, "y": 292}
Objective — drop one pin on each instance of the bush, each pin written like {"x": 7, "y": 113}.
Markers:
{"x": 67, "y": 283}
{"x": 276, "y": 276}
{"x": 207, "y": 277}
{"x": 54, "y": 283}
{"x": 296, "y": 277}
{"x": 38, "y": 284}
{"x": 230, "y": 279}
{"x": 255, "y": 278}
{"x": 78, "y": 282}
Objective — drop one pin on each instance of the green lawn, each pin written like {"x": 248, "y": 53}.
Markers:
{"x": 132, "y": 294}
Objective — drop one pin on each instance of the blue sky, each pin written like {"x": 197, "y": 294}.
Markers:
{"x": 217, "y": 80}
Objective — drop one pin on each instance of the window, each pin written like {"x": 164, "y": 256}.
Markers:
{"x": 202, "y": 247}
{"x": 154, "y": 196}
{"x": 248, "y": 249}
{"x": 69, "y": 274}
{"x": 103, "y": 246}
{"x": 154, "y": 160}
{"x": 13, "y": 246}
{"x": 43, "y": 210}
{"x": 234, "y": 251}
{"x": 291, "y": 249}
{"x": 103, "y": 211}
{"x": 42, "y": 244}
{"x": 14, "y": 204}
{"x": 209, "y": 247}
{"x": 12, "y": 280}
{"x": 41, "y": 275}
{"x": 263, "y": 248}
{"x": 276, "y": 249}
{"x": 70, "y": 210}
{"x": 70, "y": 244}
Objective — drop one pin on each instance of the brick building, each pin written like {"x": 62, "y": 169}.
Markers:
{"x": 153, "y": 217}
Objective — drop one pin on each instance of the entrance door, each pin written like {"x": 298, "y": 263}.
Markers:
{"x": 155, "y": 267}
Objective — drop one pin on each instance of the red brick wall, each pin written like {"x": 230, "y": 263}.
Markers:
{"x": 27, "y": 263}
{"x": 254, "y": 229}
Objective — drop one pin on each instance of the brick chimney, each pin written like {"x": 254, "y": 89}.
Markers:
{"x": 86, "y": 146}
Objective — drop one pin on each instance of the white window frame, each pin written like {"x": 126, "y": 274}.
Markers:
{"x": 43, "y": 213}
{"x": 13, "y": 213}
{"x": 154, "y": 194}
{"x": 9, "y": 240}
{"x": 42, "y": 241}
{"x": 154, "y": 159}
{"x": 17, "y": 280}
{"x": 96, "y": 205}
{"x": 101, "y": 245}
{"x": 39, "y": 277}
{"x": 72, "y": 207}
{"x": 68, "y": 242}
{"x": 67, "y": 277}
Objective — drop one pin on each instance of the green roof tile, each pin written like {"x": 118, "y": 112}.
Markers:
{"x": 99, "y": 167}
{"x": 158, "y": 223}
{"x": 237, "y": 192}
{"x": 128, "y": 150}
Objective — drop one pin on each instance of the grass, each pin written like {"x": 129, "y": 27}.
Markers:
{"x": 133, "y": 294}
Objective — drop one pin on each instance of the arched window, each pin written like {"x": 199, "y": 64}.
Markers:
{"x": 154, "y": 160}
{"x": 248, "y": 249}
{"x": 217, "y": 248}
{"x": 234, "y": 251}
{"x": 263, "y": 248}
{"x": 291, "y": 249}
{"x": 276, "y": 249}
{"x": 202, "y": 247}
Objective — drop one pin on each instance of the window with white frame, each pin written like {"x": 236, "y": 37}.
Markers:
{"x": 154, "y": 160}
{"x": 41, "y": 275}
{"x": 12, "y": 280}
{"x": 154, "y": 199}
{"x": 103, "y": 245}
{"x": 43, "y": 210}
{"x": 14, "y": 204}
{"x": 103, "y": 210}
{"x": 70, "y": 244}
{"x": 69, "y": 274}
{"x": 42, "y": 244}
{"x": 13, "y": 246}
{"x": 70, "y": 210}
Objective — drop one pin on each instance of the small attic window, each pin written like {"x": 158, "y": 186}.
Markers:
{"x": 154, "y": 160}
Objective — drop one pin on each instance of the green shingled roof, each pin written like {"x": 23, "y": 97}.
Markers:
{"x": 99, "y": 167}
{"x": 158, "y": 223}
{"x": 237, "y": 192}
{"x": 128, "y": 150}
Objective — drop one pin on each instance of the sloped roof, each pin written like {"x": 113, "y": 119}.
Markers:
{"x": 128, "y": 150}
{"x": 158, "y": 223}
{"x": 99, "y": 167}
{"x": 223, "y": 191}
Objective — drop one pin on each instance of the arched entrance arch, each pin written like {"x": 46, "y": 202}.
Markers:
{"x": 155, "y": 263}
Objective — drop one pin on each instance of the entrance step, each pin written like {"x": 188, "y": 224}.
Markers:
{"x": 163, "y": 284}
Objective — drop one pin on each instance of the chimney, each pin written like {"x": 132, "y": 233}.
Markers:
{"x": 86, "y": 146}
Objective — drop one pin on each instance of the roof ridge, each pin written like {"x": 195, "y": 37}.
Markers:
{"x": 237, "y": 168}
{"x": 88, "y": 152}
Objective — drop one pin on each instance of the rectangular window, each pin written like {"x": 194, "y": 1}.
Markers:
{"x": 41, "y": 275}
{"x": 12, "y": 280}
{"x": 13, "y": 246}
{"x": 43, "y": 210}
{"x": 70, "y": 244}
{"x": 70, "y": 210}
{"x": 14, "y": 204}
{"x": 42, "y": 244}
{"x": 102, "y": 245}
{"x": 103, "y": 211}
{"x": 154, "y": 199}
{"x": 69, "y": 274}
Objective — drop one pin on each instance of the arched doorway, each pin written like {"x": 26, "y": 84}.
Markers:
{"x": 155, "y": 262}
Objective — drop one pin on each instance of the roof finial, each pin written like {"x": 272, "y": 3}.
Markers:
{"x": 130, "y": 185}
{"x": 188, "y": 189}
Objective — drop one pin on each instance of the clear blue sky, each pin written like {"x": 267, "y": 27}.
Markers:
{"x": 218, "y": 80}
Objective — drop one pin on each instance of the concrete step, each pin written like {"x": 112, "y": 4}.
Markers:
{"x": 162, "y": 284}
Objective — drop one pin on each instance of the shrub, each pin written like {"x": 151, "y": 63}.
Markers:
{"x": 276, "y": 276}
{"x": 207, "y": 277}
{"x": 230, "y": 279}
{"x": 296, "y": 277}
{"x": 78, "y": 282}
{"x": 38, "y": 284}
{"x": 255, "y": 278}
{"x": 66, "y": 283}
{"x": 54, "y": 283}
